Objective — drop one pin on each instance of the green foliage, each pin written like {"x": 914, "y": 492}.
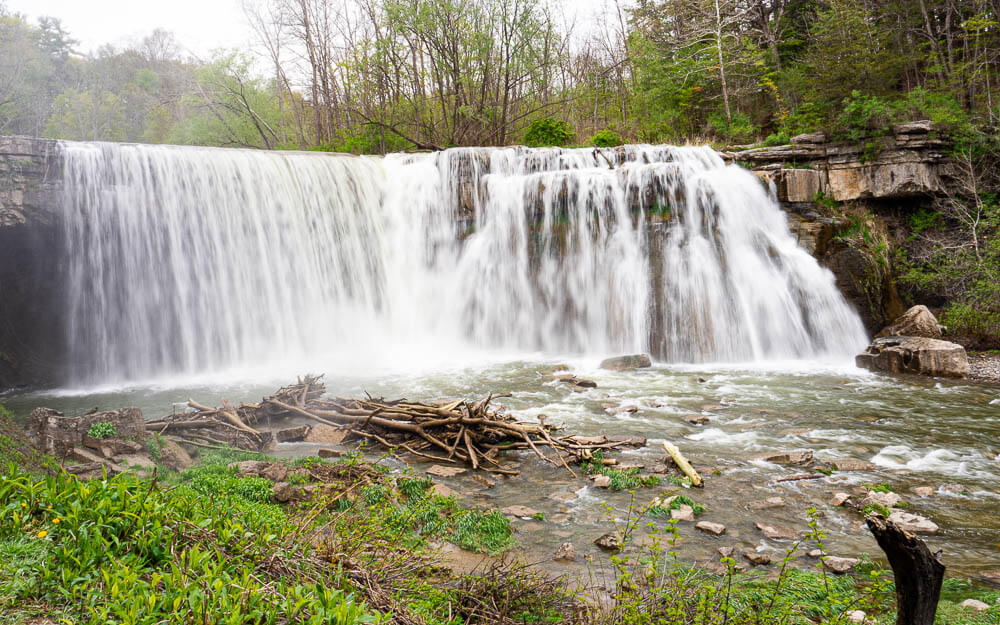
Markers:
{"x": 864, "y": 117}
{"x": 548, "y": 131}
{"x": 925, "y": 219}
{"x": 102, "y": 429}
{"x": 364, "y": 139}
{"x": 606, "y": 138}
{"x": 740, "y": 129}
{"x": 620, "y": 479}
{"x": 675, "y": 504}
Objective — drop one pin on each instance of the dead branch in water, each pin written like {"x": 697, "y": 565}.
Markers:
{"x": 473, "y": 433}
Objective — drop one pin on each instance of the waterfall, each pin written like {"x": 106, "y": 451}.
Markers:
{"x": 186, "y": 260}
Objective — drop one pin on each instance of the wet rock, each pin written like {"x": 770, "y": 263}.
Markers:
{"x": 913, "y": 523}
{"x": 954, "y": 489}
{"x": 975, "y": 605}
{"x": 911, "y": 354}
{"x": 554, "y": 369}
{"x": 330, "y": 453}
{"x": 888, "y": 500}
{"x": 565, "y": 377}
{"x": 563, "y": 496}
{"x": 697, "y": 419}
{"x": 839, "y": 565}
{"x": 923, "y": 491}
{"x": 726, "y": 552}
{"x": 483, "y": 480}
{"x": 815, "y": 553}
{"x": 852, "y": 464}
{"x": 757, "y": 559}
{"x": 559, "y": 518}
{"x": 519, "y": 511}
{"x": 840, "y": 499}
{"x": 770, "y": 502}
{"x": 683, "y": 513}
{"x": 917, "y": 321}
{"x": 609, "y": 542}
{"x": 325, "y": 434}
{"x": 716, "y": 529}
{"x": 711, "y": 407}
{"x": 799, "y": 456}
{"x": 602, "y": 481}
{"x": 565, "y": 553}
{"x": 438, "y": 470}
{"x": 580, "y": 383}
{"x": 776, "y": 532}
{"x": 288, "y": 435}
{"x": 627, "y": 363}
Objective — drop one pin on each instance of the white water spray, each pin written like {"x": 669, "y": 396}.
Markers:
{"x": 186, "y": 260}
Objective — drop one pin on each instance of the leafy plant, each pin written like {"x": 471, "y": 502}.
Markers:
{"x": 548, "y": 131}
{"x": 606, "y": 138}
{"x": 102, "y": 430}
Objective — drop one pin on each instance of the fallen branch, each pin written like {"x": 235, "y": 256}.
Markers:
{"x": 683, "y": 464}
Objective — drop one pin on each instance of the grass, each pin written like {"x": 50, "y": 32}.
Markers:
{"x": 620, "y": 479}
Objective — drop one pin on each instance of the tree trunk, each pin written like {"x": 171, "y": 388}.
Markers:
{"x": 918, "y": 573}
{"x": 722, "y": 67}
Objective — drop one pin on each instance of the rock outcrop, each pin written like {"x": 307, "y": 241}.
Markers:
{"x": 917, "y": 321}
{"x": 914, "y": 354}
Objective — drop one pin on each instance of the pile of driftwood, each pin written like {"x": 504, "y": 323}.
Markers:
{"x": 472, "y": 433}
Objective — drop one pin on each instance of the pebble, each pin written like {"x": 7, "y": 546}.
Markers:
{"x": 716, "y": 529}
{"x": 984, "y": 367}
{"x": 565, "y": 553}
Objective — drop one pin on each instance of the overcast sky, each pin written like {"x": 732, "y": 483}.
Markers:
{"x": 199, "y": 25}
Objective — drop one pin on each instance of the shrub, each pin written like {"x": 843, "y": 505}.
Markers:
{"x": 606, "y": 138}
{"x": 102, "y": 429}
{"x": 548, "y": 131}
{"x": 739, "y": 129}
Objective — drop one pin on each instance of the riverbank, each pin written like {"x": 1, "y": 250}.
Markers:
{"x": 244, "y": 536}
{"x": 984, "y": 367}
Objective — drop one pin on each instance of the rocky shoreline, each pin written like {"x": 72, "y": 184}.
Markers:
{"x": 984, "y": 367}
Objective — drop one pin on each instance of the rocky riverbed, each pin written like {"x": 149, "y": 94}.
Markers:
{"x": 984, "y": 367}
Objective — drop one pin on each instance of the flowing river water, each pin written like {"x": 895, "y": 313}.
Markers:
{"x": 224, "y": 273}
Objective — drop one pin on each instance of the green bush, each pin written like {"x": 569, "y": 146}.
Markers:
{"x": 864, "y": 117}
{"x": 606, "y": 138}
{"x": 102, "y": 429}
{"x": 740, "y": 129}
{"x": 547, "y": 132}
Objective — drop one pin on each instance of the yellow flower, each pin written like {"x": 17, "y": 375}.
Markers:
{"x": 55, "y": 520}
{"x": 42, "y": 534}
{"x": 24, "y": 505}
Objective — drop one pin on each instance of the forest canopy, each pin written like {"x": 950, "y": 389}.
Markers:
{"x": 370, "y": 76}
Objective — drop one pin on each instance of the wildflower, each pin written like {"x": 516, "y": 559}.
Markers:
{"x": 42, "y": 534}
{"x": 24, "y": 505}
{"x": 56, "y": 520}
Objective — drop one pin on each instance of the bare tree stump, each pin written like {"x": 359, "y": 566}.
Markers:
{"x": 919, "y": 573}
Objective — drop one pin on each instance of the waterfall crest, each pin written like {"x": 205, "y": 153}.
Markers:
{"x": 185, "y": 260}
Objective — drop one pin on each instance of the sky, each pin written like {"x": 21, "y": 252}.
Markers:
{"x": 200, "y": 26}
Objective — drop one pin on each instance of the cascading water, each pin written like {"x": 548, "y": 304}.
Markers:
{"x": 186, "y": 260}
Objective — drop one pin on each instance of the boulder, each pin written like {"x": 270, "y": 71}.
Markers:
{"x": 776, "y": 532}
{"x": 757, "y": 559}
{"x": 289, "y": 435}
{"x": 856, "y": 616}
{"x": 697, "y": 419}
{"x": 887, "y": 500}
{"x": 683, "y": 513}
{"x": 58, "y": 434}
{"x": 173, "y": 456}
{"x": 602, "y": 481}
{"x": 325, "y": 434}
{"x": 852, "y": 464}
{"x": 914, "y": 354}
{"x": 839, "y": 565}
{"x": 840, "y": 499}
{"x": 627, "y": 363}
{"x": 609, "y": 542}
{"x": 917, "y": 321}
{"x": 800, "y": 456}
{"x": 766, "y": 504}
{"x": 975, "y": 605}
{"x": 519, "y": 511}
{"x": 913, "y": 523}
{"x": 923, "y": 491}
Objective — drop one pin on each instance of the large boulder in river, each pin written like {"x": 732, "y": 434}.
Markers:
{"x": 915, "y": 354}
{"x": 917, "y": 321}
{"x": 627, "y": 363}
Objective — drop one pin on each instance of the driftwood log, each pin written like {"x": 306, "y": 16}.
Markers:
{"x": 918, "y": 573}
{"x": 472, "y": 433}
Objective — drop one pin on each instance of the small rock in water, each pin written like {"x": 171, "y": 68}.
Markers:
{"x": 627, "y": 363}
{"x": 684, "y": 513}
{"x": 697, "y": 419}
{"x": 840, "y": 499}
{"x": 438, "y": 470}
{"x": 716, "y": 529}
{"x": 856, "y": 616}
{"x": 519, "y": 511}
{"x": 923, "y": 491}
{"x": 609, "y": 542}
{"x": 602, "y": 481}
{"x": 954, "y": 489}
{"x": 770, "y": 502}
{"x": 815, "y": 553}
{"x": 888, "y": 500}
{"x": 913, "y": 523}
{"x": 776, "y": 532}
{"x": 799, "y": 456}
{"x": 485, "y": 481}
{"x": 563, "y": 496}
{"x": 330, "y": 453}
{"x": 852, "y": 464}
{"x": 757, "y": 559}
{"x": 585, "y": 383}
{"x": 629, "y": 408}
{"x": 711, "y": 407}
{"x": 726, "y": 552}
{"x": 839, "y": 565}
{"x": 441, "y": 490}
{"x": 288, "y": 435}
{"x": 976, "y": 605}
{"x": 565, "y": 553}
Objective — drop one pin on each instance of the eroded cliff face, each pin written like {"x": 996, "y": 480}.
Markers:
{"x": 818, "y": 182}
{"x": 30, "y": 198}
